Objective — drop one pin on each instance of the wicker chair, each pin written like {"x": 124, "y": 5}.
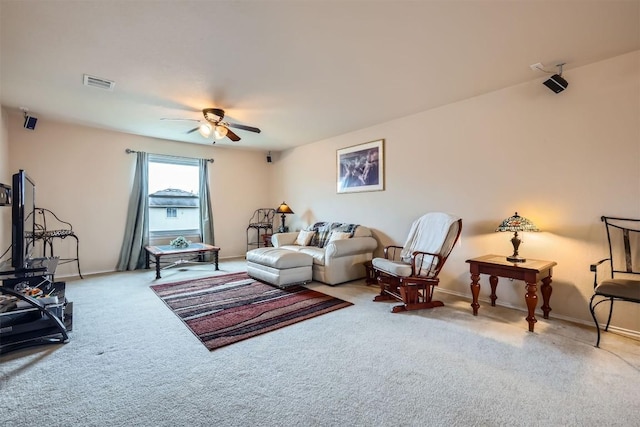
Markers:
{"x": 260, "y": 223}
{"x": 48, "y": 228}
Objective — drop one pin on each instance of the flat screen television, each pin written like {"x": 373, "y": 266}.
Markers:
{"x": 22, "y": 219}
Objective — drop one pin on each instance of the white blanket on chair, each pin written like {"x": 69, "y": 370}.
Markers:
{"x": 427, "y": 234}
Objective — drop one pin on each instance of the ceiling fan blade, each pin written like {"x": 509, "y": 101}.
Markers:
{"x": 179, "y": 120}
{"x": 194, "y": 129}
{"x": 232, "y": 136}
{"x": 243, "y": 127}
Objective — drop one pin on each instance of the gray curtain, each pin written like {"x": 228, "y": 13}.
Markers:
{"x": 136, "y": 235}
{"x": 206, "y": 217}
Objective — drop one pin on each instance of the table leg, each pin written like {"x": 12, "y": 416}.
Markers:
{"x": 475, "y": 291}
{"x": 546, "y": 290}
{"x": 532, "y": 300}
{"x": 157, "y": 266}
{"x": 215, "y": 259}
{"x": 146, "y": 260}
{"x": 493, "y": 280}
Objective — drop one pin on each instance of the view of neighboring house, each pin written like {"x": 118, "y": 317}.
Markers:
{"x": 173, "y": 211}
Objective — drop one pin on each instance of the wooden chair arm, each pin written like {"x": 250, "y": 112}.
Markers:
{"x": 421, "y": 255}
{"x": 425, "y": 253}
{"x": 393, "y": 253}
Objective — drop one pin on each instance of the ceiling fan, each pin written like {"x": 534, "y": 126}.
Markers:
{"x": 213, "y": 124}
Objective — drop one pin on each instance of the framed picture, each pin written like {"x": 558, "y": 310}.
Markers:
{"x": 361, "y": 167}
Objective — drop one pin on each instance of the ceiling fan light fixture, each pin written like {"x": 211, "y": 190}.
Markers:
{"x": 205, "y": 130}
{"x": 220, "y": 132}
{"x": 213, "y": 115}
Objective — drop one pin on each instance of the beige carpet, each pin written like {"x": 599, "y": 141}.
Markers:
{"x": 131, "y": 361}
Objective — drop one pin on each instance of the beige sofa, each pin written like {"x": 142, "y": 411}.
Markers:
{"x": 338, "y": 250}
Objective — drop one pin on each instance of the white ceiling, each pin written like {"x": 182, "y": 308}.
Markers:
{"x": 302, "y": 71}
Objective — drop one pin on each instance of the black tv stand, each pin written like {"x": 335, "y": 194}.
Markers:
{"x": 35, "y": 321}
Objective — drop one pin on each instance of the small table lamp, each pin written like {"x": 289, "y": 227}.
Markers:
{"x": 284, "y": 210}
{"x": 516, "y": 223}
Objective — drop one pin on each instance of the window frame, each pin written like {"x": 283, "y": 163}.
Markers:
{"x": 163, "y": 235}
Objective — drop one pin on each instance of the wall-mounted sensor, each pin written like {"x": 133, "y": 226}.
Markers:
{"x": 29, "y": 121}
{"x": 556, "y": 83}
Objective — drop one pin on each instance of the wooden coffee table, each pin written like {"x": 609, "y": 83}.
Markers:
{"x": 198, "y": 249}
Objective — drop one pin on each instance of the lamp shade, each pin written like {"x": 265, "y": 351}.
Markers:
{"x": 205, "y": 130}
{"x": 220, "y": 132}
{"x": 284, "y": 209}
{"x": 517, "y": 223}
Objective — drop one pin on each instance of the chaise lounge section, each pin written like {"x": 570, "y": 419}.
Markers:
{"x": 338, "y": 250}
{"x": 279, "y": 267}
{"x": 331, "y": 253}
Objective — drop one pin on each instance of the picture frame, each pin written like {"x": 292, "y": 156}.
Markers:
{"x": 360, "y": 167}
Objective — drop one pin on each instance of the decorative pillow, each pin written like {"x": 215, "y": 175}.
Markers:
{"x": 304, "y": 237}
{"x": 338, "y": 235}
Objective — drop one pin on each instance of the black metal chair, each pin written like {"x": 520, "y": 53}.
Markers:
{"x": 49, "y": 227}
{"x": 623, "y": 281}
{"x": 260, "y": 223}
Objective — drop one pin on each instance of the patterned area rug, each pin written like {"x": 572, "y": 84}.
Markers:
{"x": 222, "y": 310}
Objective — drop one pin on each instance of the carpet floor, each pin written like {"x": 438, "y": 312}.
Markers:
{"x": 222, "y": 310}
{"x": 131, "y": 362}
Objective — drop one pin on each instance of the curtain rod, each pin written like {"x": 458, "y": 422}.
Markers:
{"x": 129, "y": 151}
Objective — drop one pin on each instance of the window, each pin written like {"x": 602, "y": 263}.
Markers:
{"x": 174, "y": 202}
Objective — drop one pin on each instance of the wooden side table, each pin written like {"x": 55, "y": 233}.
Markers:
{"x": 531, "y": 272}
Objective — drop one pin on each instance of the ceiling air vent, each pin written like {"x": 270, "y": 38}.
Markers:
{"x": 98, "y": 82}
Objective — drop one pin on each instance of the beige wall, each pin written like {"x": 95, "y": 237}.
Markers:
{"x": 84, "y": 175}
{"x": 562, "y": 160}
{"x": 5, "y": 178}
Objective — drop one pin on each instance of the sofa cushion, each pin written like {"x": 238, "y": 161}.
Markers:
{"x": 304, "y": 237}
{"x": 316, "y": 253}
{"x": 278, "y": 258}
{"x": 294, "y": 248}
{"x": 396, "y": 268}
{"x": 339, "y": 235}
{"x": 362, "y": 231}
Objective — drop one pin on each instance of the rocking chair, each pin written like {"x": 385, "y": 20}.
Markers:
{"x": 410, "y": 273}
